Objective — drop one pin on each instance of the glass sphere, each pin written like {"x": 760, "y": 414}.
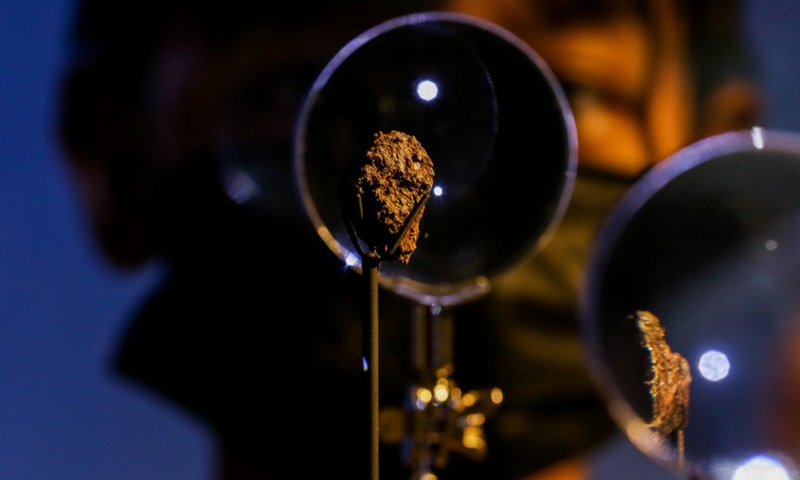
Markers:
{"x": 489, "y": 114}
{"x": 708, "y": 242}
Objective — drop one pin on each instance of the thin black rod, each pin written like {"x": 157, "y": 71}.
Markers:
{"x": 371, "y": 341}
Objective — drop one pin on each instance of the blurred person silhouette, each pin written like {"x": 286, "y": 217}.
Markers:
{"x": 255, "y": 328}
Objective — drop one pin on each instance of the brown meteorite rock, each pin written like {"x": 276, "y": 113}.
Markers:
{"x": 395, "y": 176}
{"x": 669, "y": 385}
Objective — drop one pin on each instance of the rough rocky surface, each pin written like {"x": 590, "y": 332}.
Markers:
{"x": 395, "y": 175}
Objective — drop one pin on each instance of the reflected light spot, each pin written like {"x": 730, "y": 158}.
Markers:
{"x": 473, "y": 438}
{"x": 427, "y": 90}
{"x": 761, "y": 467}
{"x": 758, "y": 137}
{"x": 475, "y": 419}
{"x": 350, "y": 259}
{"x": 441, "y": 393}
{"x": 422, "y": 397}
{"x": 770, "y": 245}
{"x": 497, "y": 396}
{"x": 469, "y": 400}
{"x": 455, "y": 393}
{"x": 714, "y": 365}
{"x": 240, "y": 186}
{"x": 437, "y": 191}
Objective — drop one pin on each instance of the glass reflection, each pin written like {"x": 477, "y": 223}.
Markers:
{"x": 427, "y": 90}
{"x": 714, "y": 365}
{"x": 770, "y": 245}
{"x": 761, "y": 467}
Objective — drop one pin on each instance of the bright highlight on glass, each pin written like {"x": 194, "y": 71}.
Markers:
{"x": 761, "y": 468}
{"x": 758, "y": 137}
{"x": 351, "y": 259}
{"x": 240, "y": 186}
{"x": 441, "y": 393}
{"x": 427, "y": 90}
{"x": 714, "y": 365}
{"x": 422, "y": 398}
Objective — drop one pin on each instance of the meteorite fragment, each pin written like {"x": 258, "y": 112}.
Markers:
{"x": 669, "y": 384}
{"x": 384, "y": 197}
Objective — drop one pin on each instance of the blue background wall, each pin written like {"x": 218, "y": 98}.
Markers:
{"x": 62, "y": 415}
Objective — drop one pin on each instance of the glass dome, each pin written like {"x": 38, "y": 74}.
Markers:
{"x": 491, "y": 117}
{"x": 708, "y": 242}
